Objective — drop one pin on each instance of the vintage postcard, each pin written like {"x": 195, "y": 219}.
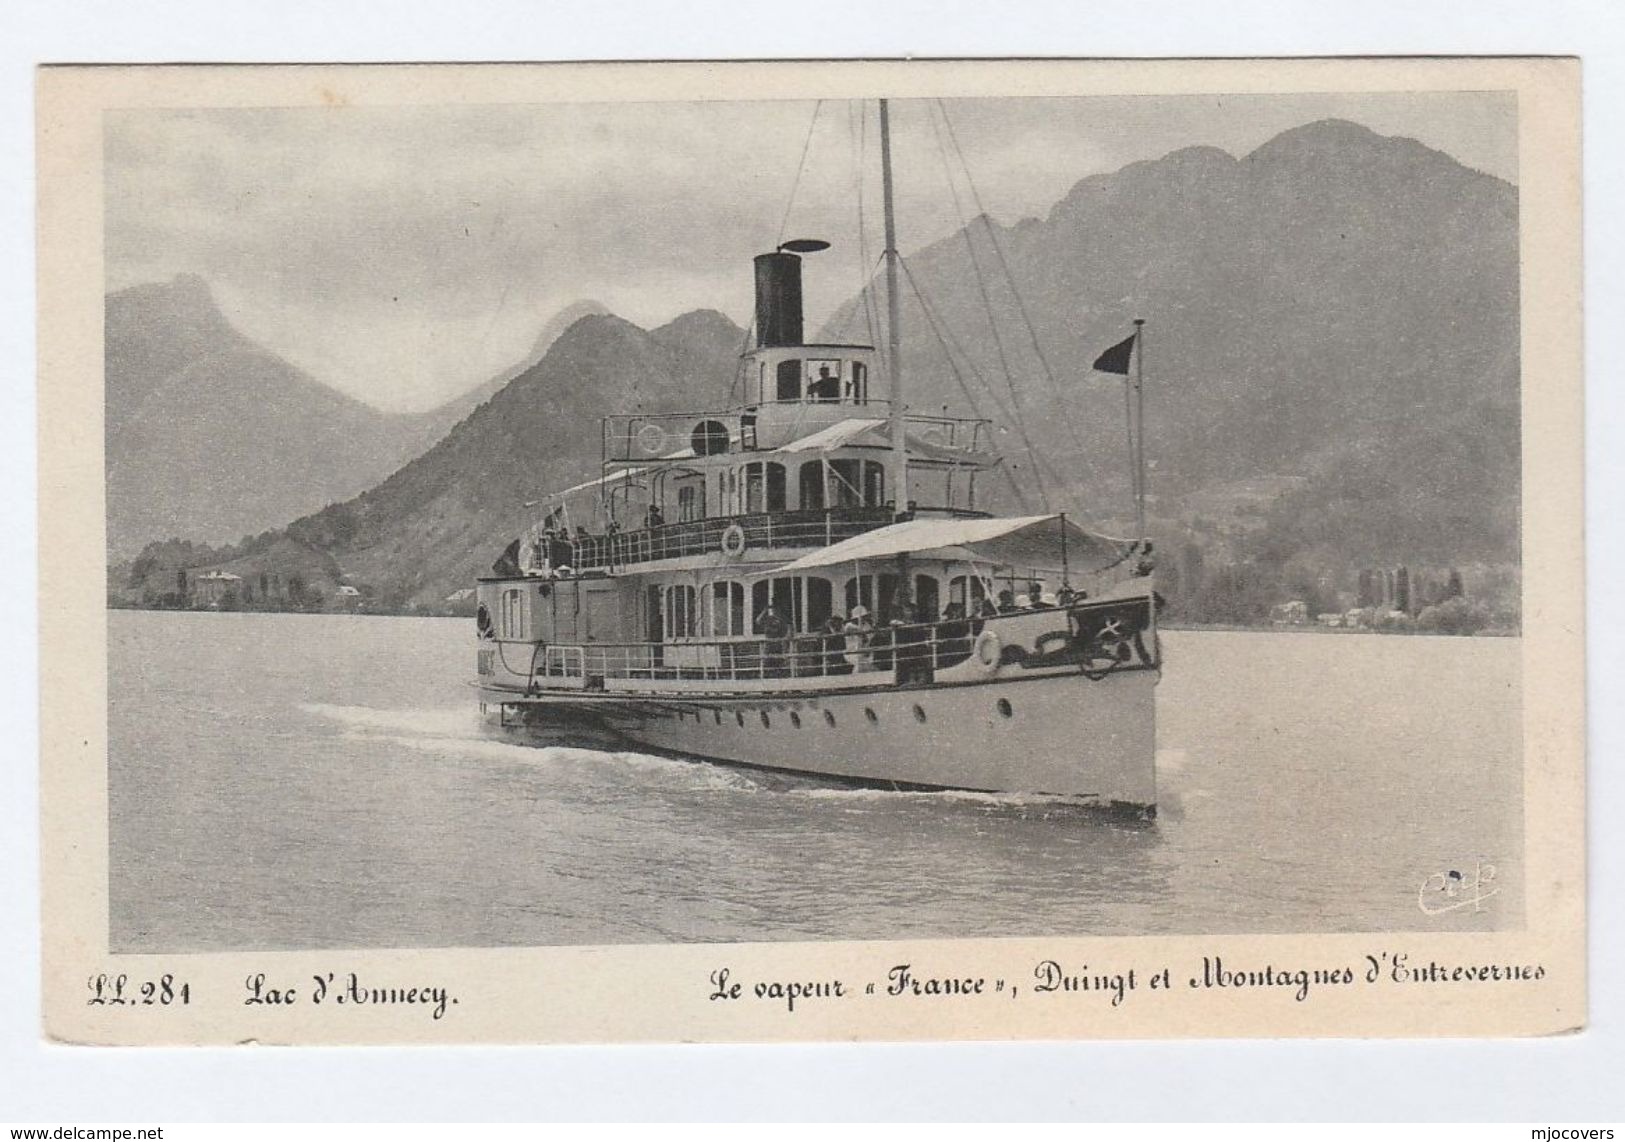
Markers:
{"x": 756, "y": 551}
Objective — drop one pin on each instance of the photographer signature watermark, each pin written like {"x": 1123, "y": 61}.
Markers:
{"x": 1457, "y": 889}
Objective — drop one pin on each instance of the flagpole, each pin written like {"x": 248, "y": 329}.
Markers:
{"x": 1128, "y": 431}
{"x": 1139, "y": 426}
{"x": 894, "y": 345}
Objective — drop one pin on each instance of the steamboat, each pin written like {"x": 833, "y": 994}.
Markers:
{"x": 803, "y": 582}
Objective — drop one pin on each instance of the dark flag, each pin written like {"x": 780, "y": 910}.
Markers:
{"x": 1116, "y": 359}
{"x": 507, "y": 566}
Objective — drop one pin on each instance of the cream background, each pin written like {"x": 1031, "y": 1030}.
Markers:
{"x": 1420, "y": 1080}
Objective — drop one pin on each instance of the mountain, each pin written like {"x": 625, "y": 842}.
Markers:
{"x": 1331, "y": 357}
{"x": 1337, "y": 305}
{"x": 211, "y": 436}
{"x": 439, "y": 421}
{"x": 440, "y": 520}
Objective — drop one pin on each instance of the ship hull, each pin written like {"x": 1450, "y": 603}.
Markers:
{"x": 1057, "y": 734}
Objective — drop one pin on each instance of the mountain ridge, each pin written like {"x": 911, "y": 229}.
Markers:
{"x": 1336, "y": 306}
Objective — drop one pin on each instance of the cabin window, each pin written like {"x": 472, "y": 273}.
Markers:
{"x": 967, "y": 591}
{"x": 786, "y": 598}
{"x": 690, "y": 502}
{"x": 681, "y": 619}
{"x": 728, "y": 610}
{"x": 820, "y": 601}
{"x": 846, "y": 483}
{"x": 811, "y": 486}
{"x": 857, "y": 383}
{"x": 874, "y": 484}
{"x": 776, "y": 500}
{"x": 789, "y": 377}
{"x": 513, "y": 614}
{"x": 764, "y": 487}
{"x": 926, "y": 598}
{"x": 874, "y": 593}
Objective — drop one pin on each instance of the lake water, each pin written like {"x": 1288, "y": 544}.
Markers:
{"x": 294, "y": 781}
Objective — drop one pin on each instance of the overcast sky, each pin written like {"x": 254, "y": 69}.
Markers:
{"x": 404, "y": 255}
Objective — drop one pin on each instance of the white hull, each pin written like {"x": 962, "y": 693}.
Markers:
{"x": 1063, "y": 734}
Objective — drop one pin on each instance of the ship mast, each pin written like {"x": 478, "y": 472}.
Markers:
{"x": 894, "y": 353}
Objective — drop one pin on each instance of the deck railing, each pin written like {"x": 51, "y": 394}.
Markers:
{"x": 702, "y": 536}
{"x": 913, "y": 651}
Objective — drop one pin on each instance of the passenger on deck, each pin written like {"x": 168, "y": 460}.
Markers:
{"x": 824, "y": 387}
{"x": 834, "y": 644}
{"x": 1007, "y": 601}
{"x": 653, "y": 517}
{"x": 953, "y": 636}
{"x": 858, "y": 630}
{"x": 772, "y": 627}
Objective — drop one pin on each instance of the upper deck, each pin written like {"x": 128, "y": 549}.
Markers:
{"x": 807, "y": 454}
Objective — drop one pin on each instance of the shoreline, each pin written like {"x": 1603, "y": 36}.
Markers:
{"x": 1233, "y": 628}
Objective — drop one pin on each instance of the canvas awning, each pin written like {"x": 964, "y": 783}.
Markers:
{"x": 1024, "y": 542}
{"x": 922, "y": 442}
{"x": 835, "y": 436}
{"x": 623, "y": 474}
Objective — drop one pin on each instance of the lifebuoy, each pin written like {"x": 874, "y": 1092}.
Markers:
{"x": 733, "y": 541}
{"x": 651, "y": 438}
{"x": 987, "y": 650}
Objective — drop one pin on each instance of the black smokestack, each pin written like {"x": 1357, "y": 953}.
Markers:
{"x": 778, "y": 300}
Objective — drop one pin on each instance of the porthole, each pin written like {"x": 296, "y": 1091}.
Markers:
{"x": 829, "y": 718}
{"x": 739, "y": 716}
{"x": 1004, "y": 707}
{"x": 868, "y": 712}
{"x": 767, "y": 723}
{"x": 919, "y": 712}
{"x": 795, "y": 719}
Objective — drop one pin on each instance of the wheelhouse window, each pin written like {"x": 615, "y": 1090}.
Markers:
{"x": 824, "y": 380}
{"x": 789, "y": 380}
{"x": 857, "y": 383}
{"x": 681, "y": 616}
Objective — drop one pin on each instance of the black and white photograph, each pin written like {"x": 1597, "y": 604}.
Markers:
{"x": 864, "y": 513}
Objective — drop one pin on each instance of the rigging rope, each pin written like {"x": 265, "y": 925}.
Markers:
{"x": 871, "y": 312}
{"x": 784, "y": 223}
{"x": 981, "y": 283}
{"x": 806, "y": 146}
{"x": 1017, "y": 416}
{"x": 1021, "y": 305}
{"x": 944, "y": 338}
